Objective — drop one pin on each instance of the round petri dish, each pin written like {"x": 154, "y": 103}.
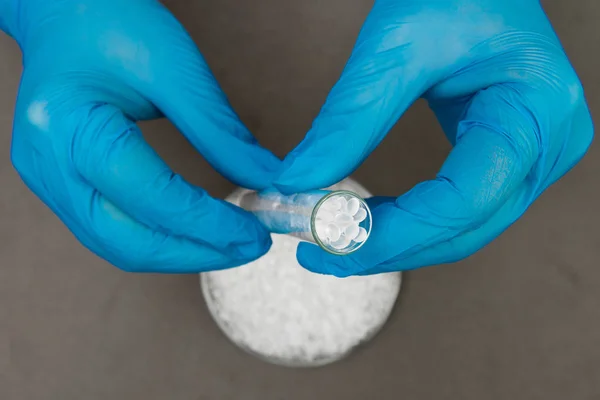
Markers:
{"x": 279, "y": 312}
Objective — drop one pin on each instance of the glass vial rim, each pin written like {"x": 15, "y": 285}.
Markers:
{"x": 313, "y": 219}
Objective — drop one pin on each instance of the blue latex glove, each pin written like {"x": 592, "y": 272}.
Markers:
{"x": 505, "y": 94}
{"x": 91, "y": 69}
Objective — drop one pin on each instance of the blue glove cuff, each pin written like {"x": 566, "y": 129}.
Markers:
{"x": 8, "y": 16}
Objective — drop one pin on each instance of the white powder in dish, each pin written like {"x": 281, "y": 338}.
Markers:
{"x": 287, "y": 315}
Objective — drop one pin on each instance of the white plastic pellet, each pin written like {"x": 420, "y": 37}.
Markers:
{"x": 351, "y": 231}
{"x": 325, "y": 214}
{"x": 362, "y": 235}
{"x": 353, "y": 206}
{"x": 360, "y": 215}
{"x": 321, "y": 228}
{"x": 343, "y": 220}
{"x": 332, "y": 204}
{"x": 341, "y": 243}
{"x": 332, "y": 232}
{"x": 343, "y": 203}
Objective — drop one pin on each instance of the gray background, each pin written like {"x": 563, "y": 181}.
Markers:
{"x": 519, "y": 320}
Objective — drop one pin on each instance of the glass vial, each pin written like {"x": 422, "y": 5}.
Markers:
{"x": 338, "y": 221}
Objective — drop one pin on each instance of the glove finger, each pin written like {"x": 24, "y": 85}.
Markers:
{"x": 576, "y": 143}
{"x": 187, "y": 93}
{"x": 463, "y": 245}
{"x": 104, "y": 228}
{"x": 129, "y": 245}
{"x": 384, "y": 76}
{"x": 495, "y": 152}
{"x": 110, "y": 153}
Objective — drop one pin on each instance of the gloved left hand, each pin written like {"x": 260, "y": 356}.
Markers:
{"x": 91, "y": 69}
{"x": 506, "y": 96}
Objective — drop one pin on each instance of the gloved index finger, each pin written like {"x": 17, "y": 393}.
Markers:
{"x": 384, "y": 76}
{"x": 110, "y": 153}
{"x": 185, "y": 90}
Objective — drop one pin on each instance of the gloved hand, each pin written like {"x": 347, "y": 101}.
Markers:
{"x": 91, "y": 69}
{"x": 507, "y": 98}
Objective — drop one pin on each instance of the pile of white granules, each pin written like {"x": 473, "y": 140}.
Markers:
{"x": 287, "y": 315}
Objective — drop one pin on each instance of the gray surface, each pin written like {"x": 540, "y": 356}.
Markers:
{"x": 519, "y": 320}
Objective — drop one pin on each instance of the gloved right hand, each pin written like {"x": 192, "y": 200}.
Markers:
{"x": 506, "y": 96}
{"x": 91, "y": 69}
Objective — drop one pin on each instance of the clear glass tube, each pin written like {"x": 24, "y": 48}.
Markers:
{"x": 338, "y": 221}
